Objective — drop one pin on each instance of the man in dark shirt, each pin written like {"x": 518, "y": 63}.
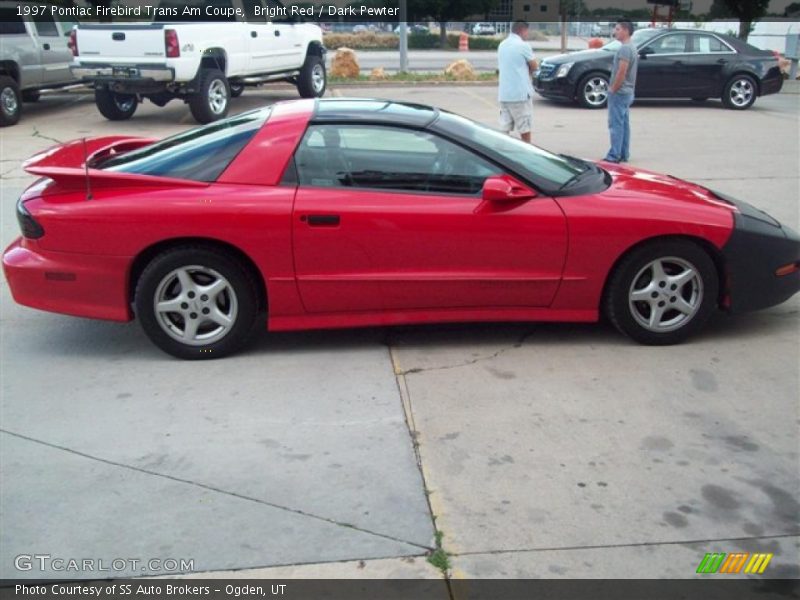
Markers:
{"x": 620, "y": 93}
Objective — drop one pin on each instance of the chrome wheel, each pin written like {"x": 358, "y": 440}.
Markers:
{"x": 595, "y": 91}
{"x": 741, "y": 93}
{"x": 666, "y": 294}
{"x": 195, "y": 305}
{"x": 217, "y": 96}
{"x": 318, "y": 78}
{"x": 9, "y": 102}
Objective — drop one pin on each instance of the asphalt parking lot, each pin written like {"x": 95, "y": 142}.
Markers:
{"x": 536, "y": 450}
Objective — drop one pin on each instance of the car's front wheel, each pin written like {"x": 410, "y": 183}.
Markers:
{"x": 10, "y": 102}
{"x": 197, "y": 302}
{"x": 593, "y": 90}
{"x": 114, "y": 106}
{"x": 662, "y": 292}
{"x": 740, "y": 92}
{"x": 211, "y": 100}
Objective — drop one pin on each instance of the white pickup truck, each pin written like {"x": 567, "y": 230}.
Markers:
{"x": 202, "y": 63}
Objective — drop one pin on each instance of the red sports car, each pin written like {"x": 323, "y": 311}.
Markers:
{"x": 343, "y": 213}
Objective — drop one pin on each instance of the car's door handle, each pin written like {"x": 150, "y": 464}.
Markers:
{"x": 277, "y": 33}
{"x": 46, "y": 46}
{"x": 321, "y": 220}
{"x": 253, "y": 34}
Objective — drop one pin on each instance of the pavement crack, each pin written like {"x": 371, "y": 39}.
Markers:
{"x": 37, "y": 133}
{"x": 514, "y": 346}
{"x": 212, "y": 488}
{"x": 631, "y": 545}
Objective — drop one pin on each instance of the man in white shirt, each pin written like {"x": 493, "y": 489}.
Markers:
{"x": 516, "y": 65}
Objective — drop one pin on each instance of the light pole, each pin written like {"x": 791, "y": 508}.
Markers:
{"x": 403, "y": 36}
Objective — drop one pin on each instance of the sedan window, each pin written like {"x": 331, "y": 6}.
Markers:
{"x": 390, "y": 158}
{"x": 675, "y": 43}
{"x": 705, "y": 44}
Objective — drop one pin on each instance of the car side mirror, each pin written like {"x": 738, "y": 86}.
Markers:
{"x": 501, "y": 189}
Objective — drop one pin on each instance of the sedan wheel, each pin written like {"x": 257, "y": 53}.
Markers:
{"x": 662, "y": 292}
{"x": 196, "y": 302}
{"x": 593, "y": 91}
{"x": 740, "y": 93}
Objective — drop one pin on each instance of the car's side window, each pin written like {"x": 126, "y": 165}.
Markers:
{"x": 389, "y": 158}
{"x": 670, "y": 44}
{"x": 45, "y": 25}
{"x": 708, "y": 43}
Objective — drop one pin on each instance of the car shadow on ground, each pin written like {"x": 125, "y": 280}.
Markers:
{"x": 120, "y": 341}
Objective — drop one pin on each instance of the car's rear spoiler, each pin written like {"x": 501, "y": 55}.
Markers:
{"x": 70, "y": 164}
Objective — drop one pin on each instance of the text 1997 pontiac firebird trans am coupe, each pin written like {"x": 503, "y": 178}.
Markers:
{"x": 344, "y": 213}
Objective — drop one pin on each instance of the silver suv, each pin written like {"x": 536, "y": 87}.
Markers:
{"x": 33, "y": 56}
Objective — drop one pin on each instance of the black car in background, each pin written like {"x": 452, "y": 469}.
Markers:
{"x": 673, "y": 63}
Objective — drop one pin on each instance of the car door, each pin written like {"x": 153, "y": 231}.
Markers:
{"x": 663, "y": 70}
{"x": 258, "y": 32}
{"x": 708, "y": 62}
{"x": 286, "y": 40}
{"x": 387, "y": 218}
{"x": 55, "y": 55}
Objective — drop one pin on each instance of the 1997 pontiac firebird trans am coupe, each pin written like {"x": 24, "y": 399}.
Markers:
{"x": 343, "y": 213}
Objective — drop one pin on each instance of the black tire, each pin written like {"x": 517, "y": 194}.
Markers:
{"x": 592, "y": 90}
{"x": 211, "y": 101}
{"x": 674, "y": 313}
{"x": 31, "y": 95}
{"x": 313, "y": 78}
{"x": 114, "y": 106}
{"x": 237, "y": 89}
{"x": 10, "y": 102}
{"x": 740, "y": 92}
{"x": 185, "y": 332}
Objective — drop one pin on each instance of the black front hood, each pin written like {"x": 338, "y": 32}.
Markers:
{"x": 584, "y": 55}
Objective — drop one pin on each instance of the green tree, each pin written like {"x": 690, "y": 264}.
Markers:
{"x": 792, "y": 10}
{"x": 443, "y": 11}
{"x": 746, "y": 11}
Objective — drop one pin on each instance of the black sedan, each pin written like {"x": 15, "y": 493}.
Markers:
{"x": 673, "y": 63}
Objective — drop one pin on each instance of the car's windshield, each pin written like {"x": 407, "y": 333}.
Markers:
{"x": 639, "y": 37}
{"x": 200, "y": 154}
{"x": 547, "y": 171}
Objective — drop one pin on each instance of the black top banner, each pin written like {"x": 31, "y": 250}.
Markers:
{"x": 395, "y": 11}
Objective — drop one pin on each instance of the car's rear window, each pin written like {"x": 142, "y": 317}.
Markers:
{"x": 200, "y": 154}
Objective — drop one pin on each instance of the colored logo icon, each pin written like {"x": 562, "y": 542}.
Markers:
{"x": 733, "y": 564}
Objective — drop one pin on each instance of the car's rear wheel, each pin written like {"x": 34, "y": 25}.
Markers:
{"x": 237, "y": 89}
{"x": 313, "y": 79}
{"x": 740, "y": 92}
{"x": 114, "y": 106}
{"x": 10, "y": 102}
{"x": 663, "y": 292}
{"x": 197, "y": 302}
{"x": 593, "y": 90}
{"x": 211, "y": 100}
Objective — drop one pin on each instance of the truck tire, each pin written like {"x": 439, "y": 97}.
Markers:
{"x": 114, "y": 106}
{"x": 236, "y": 89}
{"x": 313, "y": 78}
{"x": 10, "y": 102}
{"x": 211, "y": 100}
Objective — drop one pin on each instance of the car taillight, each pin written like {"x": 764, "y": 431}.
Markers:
{"x": 171, "y": 43}
{"x": 30, "y": 228}
{"x": 72, "y": 43}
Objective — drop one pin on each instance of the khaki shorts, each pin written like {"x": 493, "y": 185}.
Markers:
{"x": 516, "y": 115}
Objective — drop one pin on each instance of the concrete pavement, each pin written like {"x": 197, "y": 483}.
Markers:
{"x": 545, "y": 450}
